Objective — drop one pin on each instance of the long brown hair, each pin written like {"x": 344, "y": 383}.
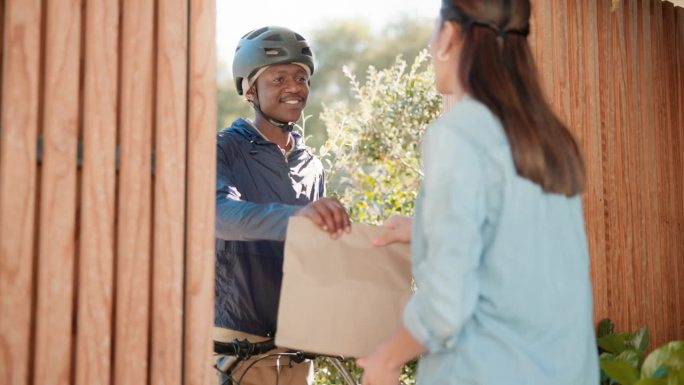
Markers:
{"x": 497, "y": 68}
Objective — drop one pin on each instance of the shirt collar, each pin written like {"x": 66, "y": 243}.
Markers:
{"x": 297, "y": 142}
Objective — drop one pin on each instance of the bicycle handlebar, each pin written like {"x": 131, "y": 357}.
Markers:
{"x": 243, "y": 348}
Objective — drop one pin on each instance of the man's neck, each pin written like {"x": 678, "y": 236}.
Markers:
{"x": 273, "y": 133}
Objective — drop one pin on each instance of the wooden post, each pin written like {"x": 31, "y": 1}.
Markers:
{"x": 18, "y": 173}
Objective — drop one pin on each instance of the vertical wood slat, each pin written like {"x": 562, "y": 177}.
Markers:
{"x": 560, "y": 60}
{"x": 626, "y": 83}
{"x": 2, "y": 29}
{"x": 169, "y": 193}
{"x": 606, "y": 127}
{"x": 585, "y": 123}
{"x": 542, "y": 44}
{"x": 133, "y": 245}
{"x": 679, "y": 127}
{"x": 663, "y": 159}
{"x": 97, "y": 221}
{"x": 658, "y": 125}
{"x": 18, "y": 159}
{"x": 57, "y": 219}
{"x": 644, "y": 157}
{"x": 199, "y": 228}
{"x": 618, "y": 114}
{"x": 638, "y": 288}
{"x": 671, "y": 189}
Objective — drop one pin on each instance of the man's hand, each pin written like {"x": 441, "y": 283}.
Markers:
{"x": 329, "y": 214}
{"x": 397, "y": 229}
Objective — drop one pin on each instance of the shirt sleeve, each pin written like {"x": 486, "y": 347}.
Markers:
{"x": 452, "y": 215}
{"x": 239, "y": 220}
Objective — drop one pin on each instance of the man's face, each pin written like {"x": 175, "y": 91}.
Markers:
{"x": 283, "y": 90}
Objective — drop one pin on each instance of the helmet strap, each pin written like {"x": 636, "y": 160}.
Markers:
{"x": 285, "y": 126}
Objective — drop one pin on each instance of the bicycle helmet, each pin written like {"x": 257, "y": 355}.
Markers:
{"x": 268, "y": 46}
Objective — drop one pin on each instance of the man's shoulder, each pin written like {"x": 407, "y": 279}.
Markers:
{"x": 239, "y": 127}
{"x": 235, "y": 134}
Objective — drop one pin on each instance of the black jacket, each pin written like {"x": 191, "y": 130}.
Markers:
{"x": 257, "y": 190}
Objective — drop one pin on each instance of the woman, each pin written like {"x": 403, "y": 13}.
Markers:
{"x": 499, "y": 251}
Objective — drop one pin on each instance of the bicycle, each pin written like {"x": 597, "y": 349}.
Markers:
{"x": 238, "y": 351}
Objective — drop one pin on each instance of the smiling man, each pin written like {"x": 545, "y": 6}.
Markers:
{"x": 265, "y": 175}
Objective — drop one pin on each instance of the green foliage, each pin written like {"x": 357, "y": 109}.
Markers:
{"x": 622, "y": 358}
{"x": 666, "y": 362}
{"x": 372, "y": 152}
{"x": 326, "y": 374}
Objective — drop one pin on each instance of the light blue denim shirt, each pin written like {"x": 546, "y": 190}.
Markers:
{"x": 502, "y": 268}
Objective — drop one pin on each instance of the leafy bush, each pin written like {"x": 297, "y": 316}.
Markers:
{"x": 372, "y": 154}
{"x": 622, "y": 358}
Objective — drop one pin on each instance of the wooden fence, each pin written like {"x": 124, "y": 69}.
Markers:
{"x": 616, "y": 76}
{"x": 106, "y": 191}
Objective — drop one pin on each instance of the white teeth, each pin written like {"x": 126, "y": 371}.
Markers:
{"x": 292, "y": 101}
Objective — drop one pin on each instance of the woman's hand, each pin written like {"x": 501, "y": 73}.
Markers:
{"x": 383, "y": 367}
{"x": 376, "y": 371}
{"x": 397, "y": 229}
{"x": 329, "y": 214}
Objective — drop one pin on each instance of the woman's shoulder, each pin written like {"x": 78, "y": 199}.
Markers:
{"x": 471, "y": 120}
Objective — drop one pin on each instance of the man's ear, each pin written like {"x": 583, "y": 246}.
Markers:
{"x": 249, "y": 95}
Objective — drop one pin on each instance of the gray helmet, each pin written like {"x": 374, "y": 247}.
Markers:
{"x": 268, "y": 46}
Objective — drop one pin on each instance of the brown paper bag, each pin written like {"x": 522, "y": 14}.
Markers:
{"x": 340, "y": 296}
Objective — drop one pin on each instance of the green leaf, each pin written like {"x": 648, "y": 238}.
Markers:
{"x": 671, "y": 355}
{"x": 612, "y": 343}
{"x": 620, "y": 371}
{"x": 640, "y": 339}
{"x": 629, "y": 356}
{"x": 605, "y": 327}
